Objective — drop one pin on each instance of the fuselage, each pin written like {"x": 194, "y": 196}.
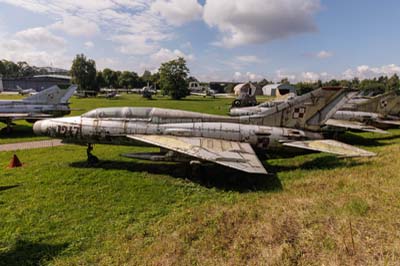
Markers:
{"x": 12, "y": 107}
{"x": 96, "y": 127}
{"x": 358, "y": 116}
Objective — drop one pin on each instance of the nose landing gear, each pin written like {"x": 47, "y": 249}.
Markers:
{"x": 91, "y": 159}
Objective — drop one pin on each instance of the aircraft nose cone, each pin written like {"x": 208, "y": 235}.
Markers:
{"x": 39, "y": 128}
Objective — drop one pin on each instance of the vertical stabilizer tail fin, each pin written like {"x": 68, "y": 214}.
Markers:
{"x": 381, "y": 104}
{"x": 52, "y": 95}
{"x": 309, "y": 111}
{"x": 70, "y": 91}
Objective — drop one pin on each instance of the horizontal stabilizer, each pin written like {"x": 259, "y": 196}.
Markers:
{"x": 237, "y": 155}
{"x": 354, "y": 125}
{"x": 330, "y": 146}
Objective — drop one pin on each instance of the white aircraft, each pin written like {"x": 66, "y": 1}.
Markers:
{"x": 27, "y": 91}
{"x": 192, "y": 137}
{"x": 51, "y": 102}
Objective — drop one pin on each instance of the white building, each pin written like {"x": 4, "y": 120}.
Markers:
{"x": 247, "y": 88}
{"x": 278, "y": 89}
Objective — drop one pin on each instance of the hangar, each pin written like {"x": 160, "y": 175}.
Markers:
{"x": 247, "y": 88}
{"x": 38, "y": 83}
{"x": 278, "y": 89}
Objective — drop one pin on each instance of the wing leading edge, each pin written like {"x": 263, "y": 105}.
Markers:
{"x": 237, "y": 155}
{"x": 330, "y": 146}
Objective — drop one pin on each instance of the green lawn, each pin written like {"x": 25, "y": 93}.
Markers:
{"x": 311, "y": 209}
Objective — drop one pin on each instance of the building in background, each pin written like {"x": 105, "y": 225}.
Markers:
{"x": 38, "y": 83}
{"x": 278, "y": 89}
{"x": 246, "y": 88}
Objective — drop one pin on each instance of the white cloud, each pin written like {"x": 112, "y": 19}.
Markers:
{"x": 89, "y": 44}
{"x": 178, "y": 12}
{"x": 76, "y": 26}
{"x": 367, "y": 72}
{"x": 130, "y": 24}
{"x": 258, "y": 21}
{"x": 324, "y": 54}
{"x": 40, "y": 36}
{"x": 37, "y": 46}
{"x": 249, "y": 76}
{"x": 319, "y": 55}
{"x": 132, "y": 44}
{"x": 164, "y": 55}
{"x": 248, "y": 59}
{"x": 110, "y": 62}
{"x": 282, "y": 74}
{"x": 310, "y": 76}
{"x": 17, "y": 50}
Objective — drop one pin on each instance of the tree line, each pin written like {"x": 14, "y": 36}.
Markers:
{"x": 376, "y": 85}
{"x": 85, "y": 74}
{"x": 9, "y": 69}
{"x": 172, "y": 77}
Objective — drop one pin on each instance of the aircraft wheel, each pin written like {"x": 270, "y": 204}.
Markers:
{"x": 196, "y": 170}
{"x": 93, "y": 160}
{"x": 236, "y": 103}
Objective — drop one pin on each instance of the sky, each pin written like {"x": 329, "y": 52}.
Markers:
{"x": 221, "y": 40}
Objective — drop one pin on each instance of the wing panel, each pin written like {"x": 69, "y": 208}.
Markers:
{"x": 232, "y": 154}
{"x": 330, "y": 146}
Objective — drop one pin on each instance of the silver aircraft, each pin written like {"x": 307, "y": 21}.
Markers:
{"x": 51, "y": 102}
{"x": 375, "y": 111}
{"x": 358, "y": 113}
{"x": 250, "y": 110}
{"x": 191, "y": 136}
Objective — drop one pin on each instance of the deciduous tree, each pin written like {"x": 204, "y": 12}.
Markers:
{"x": 173, "y": 78}
{"x": 83, "y": 73}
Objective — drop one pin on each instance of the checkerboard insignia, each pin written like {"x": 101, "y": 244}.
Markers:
{"x": 299, "y": 112}
{"x": 384, "y": 104}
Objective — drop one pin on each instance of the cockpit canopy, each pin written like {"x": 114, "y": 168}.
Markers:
{"x": 119, "y": 112}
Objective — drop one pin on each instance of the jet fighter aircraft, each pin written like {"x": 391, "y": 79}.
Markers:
{"x": 51, "y": 102}
{"x": 191, "y": 136}
{"x": 250, "y": 110}
{"x": 372, "y": 112}
{"x": 365, "y": 114}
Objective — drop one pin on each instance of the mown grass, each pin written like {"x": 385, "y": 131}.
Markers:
{"x": 311, "y": 209}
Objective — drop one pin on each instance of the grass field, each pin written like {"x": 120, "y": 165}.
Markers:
{"x": 311, "y": 209}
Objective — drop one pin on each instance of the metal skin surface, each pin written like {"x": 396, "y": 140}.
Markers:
{"x": 261, "y": 107}
{"x": 52, "y": 102}
{"x": 183, "y": 134}
{"x": 367, "y": 114}
{"x": 83, "y": 130}
{"x": 380, "y": 104}
{"x": 377, "y": 120}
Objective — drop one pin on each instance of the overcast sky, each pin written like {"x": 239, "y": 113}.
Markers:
{"x": 221, "y": 39}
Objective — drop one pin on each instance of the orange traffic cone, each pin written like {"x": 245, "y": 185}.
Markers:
{"x": 15, "y": 162}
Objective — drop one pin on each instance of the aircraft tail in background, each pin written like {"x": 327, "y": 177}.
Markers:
{"x": 309, "y": 111}
{"x": 381, "y": 104}
{"x": 52, "y": 95}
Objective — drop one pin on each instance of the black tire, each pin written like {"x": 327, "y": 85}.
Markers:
{"x": 236, "y": 103}
{"x": 92, "y": 160}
